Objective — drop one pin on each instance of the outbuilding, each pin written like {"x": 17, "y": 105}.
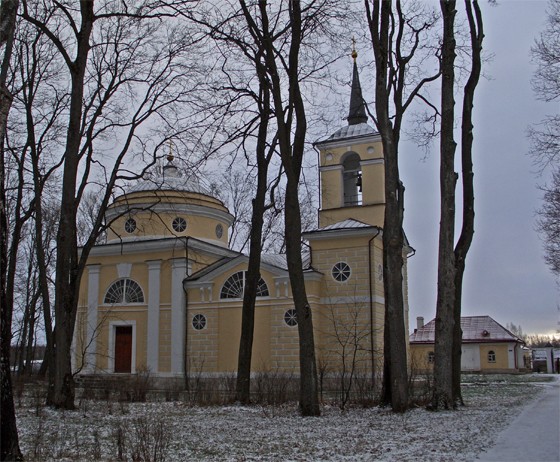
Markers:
{"x": 487, "y": 346}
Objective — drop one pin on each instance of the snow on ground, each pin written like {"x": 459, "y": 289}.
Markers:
{"x": 174, "y": 431}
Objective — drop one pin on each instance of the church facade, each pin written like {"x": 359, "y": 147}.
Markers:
{"x": 164, "y": 293}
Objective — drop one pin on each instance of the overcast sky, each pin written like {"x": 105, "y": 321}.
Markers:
{"x": 506, "y": 276}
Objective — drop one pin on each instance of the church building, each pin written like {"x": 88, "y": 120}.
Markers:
{"x": 164, "y": 292}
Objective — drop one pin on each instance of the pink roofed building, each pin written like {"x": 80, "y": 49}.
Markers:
{"x": 487, "y": 346}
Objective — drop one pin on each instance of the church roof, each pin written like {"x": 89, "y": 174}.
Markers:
{"x": 351, "y": 131}
{"x": 348, "y": 227}
{"x": 357, "y": 115}
{"x": 346, "y": 224}
{"x": 171, "y": 179}
{"x": 476, "y": 329}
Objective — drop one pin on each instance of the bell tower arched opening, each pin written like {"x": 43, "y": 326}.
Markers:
{"x": 352, "y": 179}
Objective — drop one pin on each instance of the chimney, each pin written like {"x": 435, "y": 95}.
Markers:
{"x": 419, "y": 322}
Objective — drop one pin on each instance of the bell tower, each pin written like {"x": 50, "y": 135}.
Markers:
{"x": 351, "y": 167}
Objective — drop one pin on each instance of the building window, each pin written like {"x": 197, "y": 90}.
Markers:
{"x": 199, "y": 322}
{"x": 130, "y": 225}
{"x": 124, "y": 291}
{"x": 341, "y": 271}
{"x": 431, "y": 357}
{"x": 235, "y": 285}
{"x": 219, "y": 231}
{"x": 290, "y": 318}
{"x": 491, "y": 356}
{"x": 179, "y": 224}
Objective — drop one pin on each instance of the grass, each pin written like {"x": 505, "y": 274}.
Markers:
{"x": 176, "y": 430}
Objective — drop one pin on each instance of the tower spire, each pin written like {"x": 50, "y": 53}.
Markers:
{"x": 357, "y": 114}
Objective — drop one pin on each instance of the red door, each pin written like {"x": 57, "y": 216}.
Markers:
{"x": 123, "y": 349}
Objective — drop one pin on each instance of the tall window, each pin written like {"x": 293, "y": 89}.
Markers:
{"x": 124, "y": 291}
{"x": 235, "y": 285}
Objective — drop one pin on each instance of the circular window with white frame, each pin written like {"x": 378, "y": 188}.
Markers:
{"x": 179, "y": 224}
{"x": 290, "y": 318}
{"x": 199, "y": 322}
{"x": 130, "y": 225}
{"x": 341, "y": 271}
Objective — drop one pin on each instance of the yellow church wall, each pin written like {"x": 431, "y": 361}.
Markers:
{"x": 136, "y": 314}
{"x": 202, "y": 345}
{"x": 331, "y": 189}
{"x": 333, "y": 155}
{"x": 374, "y": 176}
{"x": 284, "y": 339}
{"x": 344, "y": 317}
{"x": 373, "y": 214}
{"x": 160, "y": 225}
{"x": 164, "y": 344}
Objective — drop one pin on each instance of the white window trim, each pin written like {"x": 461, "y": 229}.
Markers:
{"x": 112, "y": 334}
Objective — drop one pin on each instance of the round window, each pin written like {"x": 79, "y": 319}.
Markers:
{"x": 290, "y": 318}
{"x": 130, "y": 225}
{"x": 179, "y": 224}
{"x": 341, "y": 272}
{"x": 219, "y": 231}
{"x": 199, "y": 321}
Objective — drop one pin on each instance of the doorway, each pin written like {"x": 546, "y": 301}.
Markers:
{"x": 123, "y": 349}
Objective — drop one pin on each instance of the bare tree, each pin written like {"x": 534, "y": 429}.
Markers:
{"x": 545, "y": 136}
{"x": 397, "y": 40}
{"x": 444, "y": 320}
{"x": 246, "y": 102}
{"x": 112, "y": 53}
{"x": 451, "y": 260}
{"x": 279, "y": 31}
{"x": 476, "y": 32}
{"x": 9, "y": 449}
{"x": 548, "y": 223}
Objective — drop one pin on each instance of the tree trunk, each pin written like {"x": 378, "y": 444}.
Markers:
{"x": 290, "y": 118}
{"x": 467, "y": 231}
{"x": 444, "y": 329}
{"x": 309, "y": 386}
{"x": 67, "y": 280}
{"x": 9, "y": 439}
{"x": 395, "y": 377}
{"x": 243, "y": 390}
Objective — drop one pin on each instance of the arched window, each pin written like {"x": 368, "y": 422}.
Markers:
{"x": 124, "y": 291}
{"x": 431, "y": 357}
{"x": 352, "y": 178}
{"x": 491, "y": 356}
{"x": 235, "y": 284}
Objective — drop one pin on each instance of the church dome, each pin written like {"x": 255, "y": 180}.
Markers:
{"x": 166, "y": 205}
{"x": 171, "y": 179}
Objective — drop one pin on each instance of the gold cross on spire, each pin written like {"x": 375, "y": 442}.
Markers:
{"x": 354, "y": 52}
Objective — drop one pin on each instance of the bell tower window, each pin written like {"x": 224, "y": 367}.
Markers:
{"x": 352, "y": 180}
